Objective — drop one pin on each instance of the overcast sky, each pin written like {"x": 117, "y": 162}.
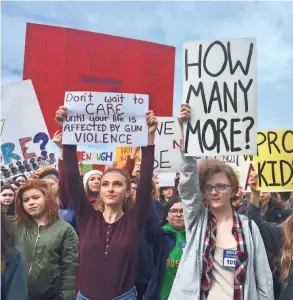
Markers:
{"x": 173, "y": 23}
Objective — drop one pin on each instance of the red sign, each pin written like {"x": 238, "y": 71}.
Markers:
{"x": 59, "y": 59}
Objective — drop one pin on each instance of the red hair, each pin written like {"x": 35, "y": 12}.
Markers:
{"x": 51, "y": 203}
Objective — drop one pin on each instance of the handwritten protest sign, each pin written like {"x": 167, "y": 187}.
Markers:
{"x": 274, "y": 162}
{"x": 220, "y": 86}
{"x": 61, "y": 59}
{"x": 24, "y": 138}
{"x": 121, "y": 156}
{"x": 168, "y": 142}
{"x": 105, "y": 118}
{"x": 96, "y": 156}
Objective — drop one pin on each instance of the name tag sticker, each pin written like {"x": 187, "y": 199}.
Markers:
{"x": 182, "y": 245}
{"x": 229, "y": 259}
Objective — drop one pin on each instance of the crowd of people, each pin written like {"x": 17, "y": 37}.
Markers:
{"x": 110, "y": 235}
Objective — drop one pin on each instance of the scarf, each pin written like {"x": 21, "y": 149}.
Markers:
{"x": 208, "y": 257}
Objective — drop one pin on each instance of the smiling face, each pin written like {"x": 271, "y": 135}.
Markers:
{"x": 217, "y": 191}
{"x": 114, "y": 188}
{"x": 7, "y": 197}
{"x": 175, "y": 216}
{"x": 34, "y": 203}
{"x": 94, "y": 183}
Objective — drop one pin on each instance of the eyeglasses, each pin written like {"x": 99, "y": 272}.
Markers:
{"x": 219, "y": 187}
{"x": 174, "y": 212}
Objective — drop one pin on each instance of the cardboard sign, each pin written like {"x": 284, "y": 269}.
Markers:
{"x": 274, "y": 162}
{"x": 121, "y": 156}
{"x": 168, "y": 142}
{"x": 105, "y": 118}
{"x": 220, "y": 86}
{"x": 59, "y": 59}
{"x": 25, "y": 143}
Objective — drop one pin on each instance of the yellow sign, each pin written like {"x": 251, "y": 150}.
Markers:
{"x": 121, "y": 156}
{"x": 274, "y": 162}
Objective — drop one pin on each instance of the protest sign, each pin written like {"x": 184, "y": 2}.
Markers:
{"x": 168, "y": 142}
{"x": 105, "y": 118}
{"x": 96, "y": 156}
{"x": 220, "y": 86}
{"x": 24, "y": 137}
{"x": 166, "y": 179}
{"x": 60, "y": 59}
{"x": 274, "y": 162}
{"x": 121, "y": 156}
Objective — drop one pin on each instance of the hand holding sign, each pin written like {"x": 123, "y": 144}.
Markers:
{"x": 61, "y": 114}
{"x": 184, "y": 113}
{"x": 57, "y": 139}
{"x": 152, "y": 123}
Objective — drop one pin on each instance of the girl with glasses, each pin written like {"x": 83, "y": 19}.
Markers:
{"x": 168, "y": 243}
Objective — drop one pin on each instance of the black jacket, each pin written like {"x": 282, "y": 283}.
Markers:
{"x": 276, "y": 214}
{"x": 272, "y": 235}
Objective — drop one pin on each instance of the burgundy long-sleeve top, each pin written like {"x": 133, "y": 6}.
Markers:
{"x": 108, "y": 252}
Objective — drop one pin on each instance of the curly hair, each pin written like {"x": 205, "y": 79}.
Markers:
{"x": 51, "y": 204}
{"x": 287, "y": 250}
{"x": 209, "y": 167}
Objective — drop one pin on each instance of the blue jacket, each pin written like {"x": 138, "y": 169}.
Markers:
{"x": 162, "y": 243}
{"x": 14, "y": 277}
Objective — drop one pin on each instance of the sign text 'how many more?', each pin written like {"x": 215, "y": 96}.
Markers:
{"x": 220, "y": 86}
{"x": 105, "y": 118}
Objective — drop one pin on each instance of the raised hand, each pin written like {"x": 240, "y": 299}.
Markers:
{"x": 184, "y": 113}
{"x": 252, "y": 181}
{"x": 152, "y": 123}
{"x": 61, "y": 114}
{"x": 57, "y": 138}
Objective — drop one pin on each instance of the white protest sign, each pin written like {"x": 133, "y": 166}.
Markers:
{"x": 166, "y": 179}
{"x": 25, "y": 143}
{"x": 220, "y": 86}
{"x": 105, "y": 118}
{"x": 168, "y": 141}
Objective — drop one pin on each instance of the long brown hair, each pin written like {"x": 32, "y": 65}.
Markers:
{"x": 51, "y": 203}
{"x": 287, "y": 250}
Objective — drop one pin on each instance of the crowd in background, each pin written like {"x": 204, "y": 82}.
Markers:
{"x": 110, "y": 235}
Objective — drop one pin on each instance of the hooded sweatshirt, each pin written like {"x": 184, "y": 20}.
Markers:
{"x": 172, "y": 261}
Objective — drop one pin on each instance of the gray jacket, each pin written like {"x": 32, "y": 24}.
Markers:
{"x": 186, "y": 286}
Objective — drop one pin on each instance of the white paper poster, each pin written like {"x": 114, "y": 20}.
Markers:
{"x": 220, "y": 85}
{"x": 25, "y": 143}
{"x": 105, "y": 118}
{"x": 166, "y": 179}
{"x": 168, "y": 141}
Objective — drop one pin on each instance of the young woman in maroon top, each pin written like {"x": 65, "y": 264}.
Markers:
{"x": 109, "y": 240}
